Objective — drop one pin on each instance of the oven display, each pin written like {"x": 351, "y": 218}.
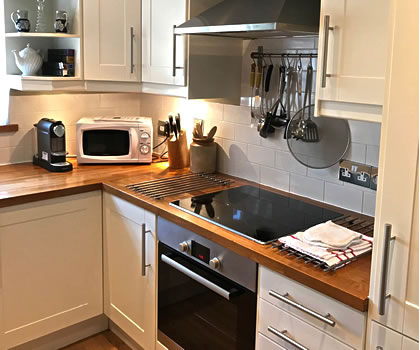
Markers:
{"x": 200, "y": 252}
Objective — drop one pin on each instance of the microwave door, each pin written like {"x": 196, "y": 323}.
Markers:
{"x": 106, "y": 143}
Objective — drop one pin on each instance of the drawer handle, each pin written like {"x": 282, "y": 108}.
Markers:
{"x": 143, "y": 249}
{"x": 302, "y": 308}
{"x": 287, "y": 339}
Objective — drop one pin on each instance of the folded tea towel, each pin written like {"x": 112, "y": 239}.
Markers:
{"x": 328, "y": 256}
{"x": 331, "y": 235}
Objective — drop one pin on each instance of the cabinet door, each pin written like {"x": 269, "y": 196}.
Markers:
{"x": 159, "y": 44}
{"x": 398, "y": 169}
{"x": 409, "y": 344}
{"x": 51, "y": 266}
{"x": 356, "y": 52}
{"x": 112, "y": 39}
{"x": 129, "y": 295}
{"x": 382, "y": 338}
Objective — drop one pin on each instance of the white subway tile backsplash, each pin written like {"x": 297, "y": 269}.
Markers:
{"x": 369, "y": 203}
{"x": 356, "y": 153}
{"x": 226, "y": 130}
{"x": 275, "y": 178}
{"x": 261, "y": 155}
{"x": 245, "y": 133}
{"x": 237, "y": 114}
{"x": 246, "y": 170}
{"x": 235, "y": 151}
{"x": 344, "y": 197}
{"x": 328, "y": 174}
{"x": 372, "y": 155}
{"x": 241, "y": 152}
{"x": 364, "y": 132}
{"x": 285, "y": 161}
{"x": 307, "y": 187}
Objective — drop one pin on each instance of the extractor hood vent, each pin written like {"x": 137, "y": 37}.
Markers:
{"x": 253, "y": 19}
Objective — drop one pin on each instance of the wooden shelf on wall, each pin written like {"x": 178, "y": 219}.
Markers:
{"x": 9, "y": 128}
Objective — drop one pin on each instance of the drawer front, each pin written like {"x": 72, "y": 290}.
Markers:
{"x": 303, "y": 334}
{"x": 349, "y": 325}
{"x": 263, "y": 343}
{"x": 383, "y": 338}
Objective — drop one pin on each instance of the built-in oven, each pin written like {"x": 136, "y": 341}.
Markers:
{"x": 206, "y": 293}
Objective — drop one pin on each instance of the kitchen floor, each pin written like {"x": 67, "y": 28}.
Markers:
{"x": 102, "y": 341}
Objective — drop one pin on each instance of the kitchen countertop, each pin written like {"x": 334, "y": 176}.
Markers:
{"x": 23, "y": 183}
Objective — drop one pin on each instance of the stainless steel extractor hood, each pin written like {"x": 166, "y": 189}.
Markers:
{"x": 252, "y": 19}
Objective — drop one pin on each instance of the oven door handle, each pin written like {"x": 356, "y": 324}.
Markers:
{"x": 196, "y": 277}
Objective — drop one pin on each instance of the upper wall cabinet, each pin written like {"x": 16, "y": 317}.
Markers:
{"x": 352, "y": 59}
{"x": 163, "y": 52}
{"x": 197, "y": 67}
{"x": 112, "y": 40}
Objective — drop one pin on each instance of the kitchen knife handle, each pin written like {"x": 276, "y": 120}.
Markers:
{"x": 327, "y": 29}
{"x": 132, "y": 49}
{"x": 143, "y": 249}
{"x": 384, "y": 272}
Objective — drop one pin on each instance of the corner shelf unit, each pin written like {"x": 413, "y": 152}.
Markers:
{"x": 42, "y": 42}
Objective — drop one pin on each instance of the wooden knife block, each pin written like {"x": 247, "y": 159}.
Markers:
{"x": 178, "y": 154}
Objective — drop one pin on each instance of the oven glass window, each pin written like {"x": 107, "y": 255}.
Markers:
{"x": 106, "y": 142}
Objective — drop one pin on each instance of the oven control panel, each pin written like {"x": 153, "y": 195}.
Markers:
{"x": 222, "y": 260}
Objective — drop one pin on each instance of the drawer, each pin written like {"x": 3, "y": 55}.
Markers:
{"x": 349, "y": 325}
{"x": 280, "y": 322}
{"x": 383, "y": 338}
{"x": 263, "y": 343}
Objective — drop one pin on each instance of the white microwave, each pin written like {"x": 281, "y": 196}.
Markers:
{"x": 114, "y": 140}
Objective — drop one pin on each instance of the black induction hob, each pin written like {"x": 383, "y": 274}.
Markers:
{"x": 254, "y": 213}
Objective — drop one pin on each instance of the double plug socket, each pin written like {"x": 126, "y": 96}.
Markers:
{"x": 359, "y": 174}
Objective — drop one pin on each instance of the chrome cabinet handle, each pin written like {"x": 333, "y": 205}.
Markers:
{"x": 174, "y": 66}
{"x": 300, "y": 307}
{"x": 384, "y": 270}
{"x": 132, "y": 49}
{"x": 143, "y": 249}
{"x": 287, "y": 339}
{"x": 196, "y": 277}
{"x": 327, "y": 29}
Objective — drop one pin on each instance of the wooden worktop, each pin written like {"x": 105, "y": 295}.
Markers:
{"x": 22, "y": 183}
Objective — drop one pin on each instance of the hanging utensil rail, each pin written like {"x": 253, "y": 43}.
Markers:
{"x": 257, "y": 55}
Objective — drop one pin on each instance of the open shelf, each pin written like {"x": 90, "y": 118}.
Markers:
{"x": 44, "y": 83}
{"x": 41, "y": 35}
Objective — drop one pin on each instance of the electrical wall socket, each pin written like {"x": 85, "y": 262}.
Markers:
{"x": 358, "y": 174}
{"x": 163, "y": 128}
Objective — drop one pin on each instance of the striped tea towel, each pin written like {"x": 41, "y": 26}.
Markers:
{"x": 329, "y": 256}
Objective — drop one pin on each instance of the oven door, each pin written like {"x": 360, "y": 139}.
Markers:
{"x": 200, "y": 309}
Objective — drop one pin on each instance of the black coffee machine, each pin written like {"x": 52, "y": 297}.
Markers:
{"x": 51, "y": 141}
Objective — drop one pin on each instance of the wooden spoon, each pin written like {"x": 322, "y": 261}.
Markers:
{"x": 212, "y": 132}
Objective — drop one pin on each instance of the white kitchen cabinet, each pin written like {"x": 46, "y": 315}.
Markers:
{"x": 382, "y": 338}
{"x": 158, "y": 20}
{"x": 129, "y": 292}
{"x": 205, "y": 67}
{"x": 352, "y": 59}
{"x": 409, "y": 344}
{"x": 349, "y": 324}
{"x": 398, "y": 182}
{"x": 51, "y": 266}
{"x": 112, "y": 40}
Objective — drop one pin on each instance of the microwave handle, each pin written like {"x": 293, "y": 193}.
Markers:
{"x": 196, "y": 277}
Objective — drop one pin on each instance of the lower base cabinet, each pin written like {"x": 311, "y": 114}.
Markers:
{"x": 50, "y": 266}
{"x": 129, "y": 269}
{"x": 383, "y": 338}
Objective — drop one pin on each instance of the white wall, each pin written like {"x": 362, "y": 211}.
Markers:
{"x": 241, "y": 153}
{"x": 245, "y": 154}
